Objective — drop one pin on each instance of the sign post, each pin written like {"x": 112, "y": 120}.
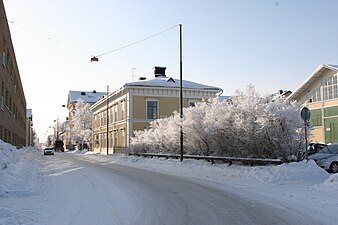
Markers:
{"x": 305, "y": 114}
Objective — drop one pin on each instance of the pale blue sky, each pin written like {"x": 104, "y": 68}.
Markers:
{"x": 230, "y": 44}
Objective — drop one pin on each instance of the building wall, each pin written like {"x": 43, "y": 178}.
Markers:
{"x": 12, "y": 98}
{"x": 133, "y": 101}
{"x": 324, "y": 112}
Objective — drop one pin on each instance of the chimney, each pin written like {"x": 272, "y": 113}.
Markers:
{"x": 159, "y": 71}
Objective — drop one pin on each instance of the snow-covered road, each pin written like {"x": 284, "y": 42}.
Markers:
{"x": 80, "y": 188}
{"x": 82, "y": 192}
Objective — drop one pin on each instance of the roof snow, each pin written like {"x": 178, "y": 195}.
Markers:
{"x": 170, "y": 83}
{"x": 86, "y": 96}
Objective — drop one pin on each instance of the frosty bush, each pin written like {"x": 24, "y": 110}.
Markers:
{"x": 81, "y": 132}
{"x": 249, "y": 125}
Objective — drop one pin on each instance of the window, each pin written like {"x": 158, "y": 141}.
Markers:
{"x": 103, "y": 141}
{"x": 111, "y": 114}
{"x": 330, "y": 111}
{"x": 330, "y": 87}
{"x": 97, "y": 141}
{"x": 314, "y": 95}
{"x": 2, "y": 102}
{"x": 104, "y": 118}
{"x": 115, "y": 112}
{"x": 95, "y": 121}
{"x": 3, "y": 89}
{"x": 99, "y": 122}
{"x": 110, "y": 139}
{"x": 152, "y": 109}
{"x": 115, "y": 138}
{"x": 316, "y": 117}
{"x": 122, "y": 138}
{"x": 5, "y": 135}
{"x": 6, "y": 98}
{"x": 122, "y": 110}
{"x": 4, "y": 59}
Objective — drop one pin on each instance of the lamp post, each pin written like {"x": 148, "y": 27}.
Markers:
{"x": 107, "y": 119}
{"x": 57, "y": 130}
{"x": 181, "y": 97}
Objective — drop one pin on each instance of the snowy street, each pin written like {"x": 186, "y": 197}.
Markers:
{"x": 89, "y": 189}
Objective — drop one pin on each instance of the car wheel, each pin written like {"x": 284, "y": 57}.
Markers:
{"x": 334, "y": 167}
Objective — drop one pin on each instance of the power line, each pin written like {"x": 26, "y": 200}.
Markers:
{"x": 43, "y": 35}
{"x": 136, "y": 42}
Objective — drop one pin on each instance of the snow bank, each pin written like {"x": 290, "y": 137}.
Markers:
{"x": 8, "y": 155}
{"x": 296, "y": 173}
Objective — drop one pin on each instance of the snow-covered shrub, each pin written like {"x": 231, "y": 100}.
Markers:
{"x": 81, "y": 132}
{"x": 249, "y": 125}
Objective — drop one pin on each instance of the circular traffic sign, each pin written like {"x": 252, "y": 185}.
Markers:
{"x": 305, "y": 113}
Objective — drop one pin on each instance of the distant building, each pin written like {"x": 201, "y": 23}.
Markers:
{"x": 89, "y": 97}
{"x": 12, "y": 97}
{"x": 29, "y": 128}
{"x": 319, "y": 92}
{"x": 133, "y": 106}
{"x": 281, "y": 94}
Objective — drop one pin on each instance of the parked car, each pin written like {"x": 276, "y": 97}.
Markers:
{"x": 315, "y": 148}
{"x": 327, "y": 158}
{"x": 48, "y": 151}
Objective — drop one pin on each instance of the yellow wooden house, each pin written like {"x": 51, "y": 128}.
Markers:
{"x": 133, "y": 106}
{"x": 319, "y": 92}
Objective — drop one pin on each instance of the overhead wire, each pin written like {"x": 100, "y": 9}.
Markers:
{"x": 98, "y": 55}
{"x": 43, "y": 35}
{"x": 136, "y": 42}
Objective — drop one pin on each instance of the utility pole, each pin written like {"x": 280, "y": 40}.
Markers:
{"x": 107, "y": 120}
{"x": 181, "y": 96}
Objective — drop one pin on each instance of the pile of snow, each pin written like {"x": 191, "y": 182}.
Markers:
{"x": 8, "y": 154}
{"x": 301, "y": 173}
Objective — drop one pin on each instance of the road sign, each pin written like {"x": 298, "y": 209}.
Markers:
{"x": 305, "y": 114}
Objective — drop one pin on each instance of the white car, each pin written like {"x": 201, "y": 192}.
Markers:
{"x": 48, "y": 151}
{"x": 327, "y": 158}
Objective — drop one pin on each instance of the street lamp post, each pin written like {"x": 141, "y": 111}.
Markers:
{"x": 107, "y": 119}
{"x": 181, "y": 97}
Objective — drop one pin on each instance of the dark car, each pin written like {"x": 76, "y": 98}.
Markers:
{"x": 48, "y": 151}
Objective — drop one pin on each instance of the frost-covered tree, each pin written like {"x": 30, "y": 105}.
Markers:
{"x": 250, "y": 125}
{"x": 81, "y": 132}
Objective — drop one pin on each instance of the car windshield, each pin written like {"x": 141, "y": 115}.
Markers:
{"x": 330, "y": 149}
